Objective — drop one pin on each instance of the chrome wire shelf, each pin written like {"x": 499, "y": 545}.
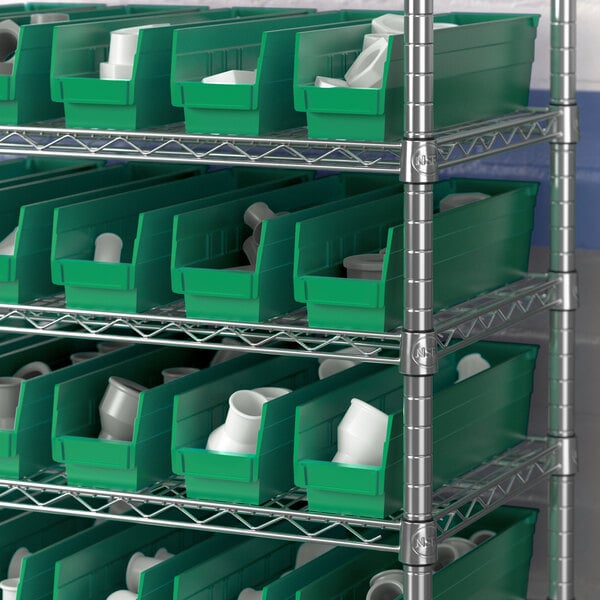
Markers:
{"x": 289, "y": 149}
{"x": 286, "y": 516}
{"x": 289, "y": 335}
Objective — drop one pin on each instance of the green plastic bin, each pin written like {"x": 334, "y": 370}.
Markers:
{"x": 98, "y": 570}
{"x": 116, "y": 464}
{"x": 145, "y": 100}
{"x": 482, "y": 69}
{"x": 265, "y": 46}
{"x": 27, "y": 447}
{"x": 144, "y": 220}
{"x": 34, "y": 531}
{"x": 497, "y": 569}
{"x": 249, "y": 478}
{"x": 200, "y": 269}
{"x": 476, "y": 248}
{"x": 25, "y": 274}
{"x": 25, "y": 93}
{"x": 29, "y": 170}
{"x": 473, "y": 420}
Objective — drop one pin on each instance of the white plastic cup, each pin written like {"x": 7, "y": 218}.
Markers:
{"x": 239, "y": 433}
{"x": 106, "y": 347}
{"x": 482, "y": 536}
{"x": 16, "y": 562}
{"x": 40, "y": 18}
{"x": 332, "y": 366}
{"x": 173, "y": 373}
{"x": 10, "y": 388}
{"x": 118, "y": 409}
{"x": 79, "y": 357}
{"x": 9, "y": 588}
{"x": 364, "y": 266}
{"x": 122, "y": 595}
{"x": 309, "y": 551}
{"x": 386, "y": 585}
{"x": 33, "y": 369}
{"x": 367, "y": 70}
{"x": 7, "y": 245}
{"x": 361, "y": 435}
{"x": 124, "y": 43}
{"x": 471, "y": 365}
{"x": 108, "y": 248}
{"x": 330, "y": 82}
{"x": 232, "y": 77}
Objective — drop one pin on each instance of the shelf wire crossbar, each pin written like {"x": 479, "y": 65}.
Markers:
{"x": 288, "y": 149}
{"x": 288, "y": 335}
{"x": 286, "y": 516}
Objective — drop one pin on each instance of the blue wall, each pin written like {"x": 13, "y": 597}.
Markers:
{"x": 533, "y": 163}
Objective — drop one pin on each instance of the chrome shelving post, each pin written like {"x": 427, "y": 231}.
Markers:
{"x": 419, "y": 347}
{"x": 561, "y": 426}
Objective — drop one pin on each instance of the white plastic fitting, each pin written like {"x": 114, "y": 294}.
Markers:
{"x": 10, "y": 388}
{"x": 7, "y": 245}
{"x": 361, "y": 435}
{"x": 455, "y": 200}
{"x": 364, "y": 266}
{"x": 33, "y": 369}
{"x": 16, "y": 562}
{"x": 173, "y": 373}
{"x": 106, "y": 347}
{"x": 79, "y": 357}
{"x": 482, "y": 536}
{"x": 122, "y": 595}
{"x": 108, "y": 248}
{"x": 9, "y": 39}
{"x": 137, "y": 563}
{"x": 386, "y": 585}
{"x": 367, "y": 70}
{"x": 388, "y": 23}
{"x": 330, "y": 82}
{"x": 9, "y": 589}
{"x": 309, "y": 551}
{"x": 470, "y": 365}
{"x": 232, "y": 77}
{"x": 118, "y": 409}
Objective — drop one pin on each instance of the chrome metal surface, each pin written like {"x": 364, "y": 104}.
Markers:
{"x": 286, "y": 516}
{"x": 287, "y": 335}
{"x": 289, "y": 149}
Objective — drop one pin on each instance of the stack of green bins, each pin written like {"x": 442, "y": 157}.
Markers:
{"x": 25, "y": 274}
{"x": 266, "y": 47}
{"x": 205, "y": 272}
{"x": 473, "y": 420}
{"x": 25, "y": 90}
{"x": 477, "y": 248}
{"x": 143, "y": 219}
{"x": 26, "y": 448}
{"x": 115, "y": 464}
{"x": 145, "y": 99}
{"x": 94, "y": 572}
{"x": 497, "y": 569}
{"x": 247, "y": 478}
{"x": 482, "y": 68}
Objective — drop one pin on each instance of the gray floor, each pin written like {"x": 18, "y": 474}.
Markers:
{"x": 587, "y": 545}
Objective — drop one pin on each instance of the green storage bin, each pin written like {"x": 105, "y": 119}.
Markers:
{"x": 200, "y": 269}
{"x": 37, "y": 572}
{"x": 25, "y": 274}
{"x": 145, "y": 100}
{"x": 116, "y": 464}
{"x": 25, "y": 93}
{"x": 249, "y": 478}
{"x": 29, "y": 170}
{"x": 473, "y": 420}
{"x": 98, "y": 570}
{"x": 143, "y": 219}
{"x": 261, "y": 564}
{"x": 27, "y": 447}
{"x": 482, "y": 69}
{"x": 34, "y": 531}
{"x": 497, "y": 569}
{"x": 265, "y": 46}
{"x": 476, "y": 248}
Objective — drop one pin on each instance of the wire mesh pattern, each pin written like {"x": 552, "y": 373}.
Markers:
{"x": 290, "y": 149}
{"x": 285, "y": 516}
{"x": 288, "y": 335}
